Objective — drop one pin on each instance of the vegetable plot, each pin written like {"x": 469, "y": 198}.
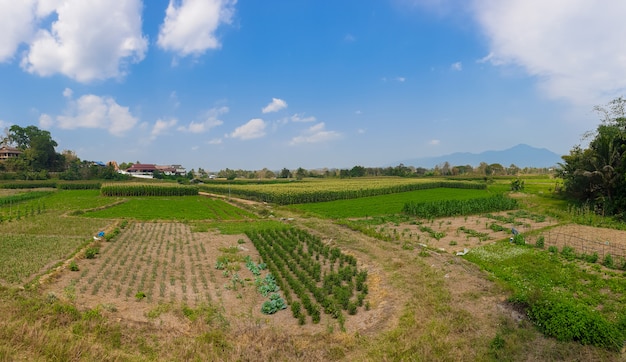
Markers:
{"x": 310, "y": 274}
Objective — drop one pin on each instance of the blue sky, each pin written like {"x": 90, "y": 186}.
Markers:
{"x": 307, "y": 83}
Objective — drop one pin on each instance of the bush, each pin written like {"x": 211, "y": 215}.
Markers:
{"x": 73, "y": 266}
{"x": 91, "y": 253}
{"x": 608, "y": 261}
{"x": 541, "y": 242}
{"x": 518, "y": 239}
{"x": 568, "y": 253}
{"x": 593, "y": 258}
{"x": 553, "y": 249}
{"x": 567, "y": 321}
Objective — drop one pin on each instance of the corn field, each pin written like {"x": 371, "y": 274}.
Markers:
{"x": 445, "y": 208}
{"x": 321, "y": 191}
{"x": 147, "y": 189}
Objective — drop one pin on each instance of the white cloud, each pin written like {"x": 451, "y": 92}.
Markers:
{"x": 575, "y": 48}
{"x": 91, "y": 111}
{"x": 255, "y": 128}
{"x": 301, "y": 118}
{"x": 275, "y": 105}
{"x": 315, "y": 134}
{"x": 68, "y": 93}
{"x": 76, "y": 48}
{"x": 434, "y": 142}
{"x": 360, "y": 131}
{"x": 45, "y": 121}
{"x": 215, "y": 141}
{"x": 394, "y": 79}
{"x": 458, "y": 66}
{"x": 189, "y": 26}
{"x": 161, "y": 126}
{"x": 210, "y": 121}
{"x": 17, "y": 25}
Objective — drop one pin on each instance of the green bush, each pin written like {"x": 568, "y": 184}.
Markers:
{"x": 566, "y": 320}
{"x": 91, "y": 253}
{"x": 568, "y": 252}
{"x": 73, "y": 266}
{"x": 553, "y": 249}
{"x": 518, "y": 239}
{"x": 593, "y": 258}
{"x": 541, "y": 242}
{"x": 608, "y": 261}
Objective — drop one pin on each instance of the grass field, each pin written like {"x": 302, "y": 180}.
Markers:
{"x": 385, "y": 204}
{"x": 173, "y": 208}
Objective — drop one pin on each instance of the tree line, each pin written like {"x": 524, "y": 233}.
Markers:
{"x": 37, "y": 158}
{"x": 596, "y": 174}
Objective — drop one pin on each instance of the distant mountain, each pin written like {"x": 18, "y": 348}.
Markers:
{"x": 521, "y": 156}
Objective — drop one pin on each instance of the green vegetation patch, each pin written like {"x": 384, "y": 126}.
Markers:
{"x": 331, "y": 190}
{"x": 470, "y": 206}
{"x": 173, "y": 208}
{"x": 565, "y": 299}
{"x": 21, "y": 197}
{"x": 71, "y": 200}
{"x": 22, "y": 256}
{"x": 386, "y": 204}
{"x": 147, "y": 189}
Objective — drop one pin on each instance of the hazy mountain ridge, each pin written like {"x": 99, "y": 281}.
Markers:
{"x": 521, "y": 156}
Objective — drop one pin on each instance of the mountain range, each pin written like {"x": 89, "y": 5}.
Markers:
{"x": 521, "y": 156}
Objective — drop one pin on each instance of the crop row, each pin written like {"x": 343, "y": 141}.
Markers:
{"x": 446, "y": 208}
{"x": 322, "y": 278}
{"x": 312, "y": 192}
{"x": 144, "y": 189}
{"x": 13, "y": 199}
{"x": 63, "y": 185}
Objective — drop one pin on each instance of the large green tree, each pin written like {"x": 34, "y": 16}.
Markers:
{"x": 38, "y": 148}
{"x": 597, "y": 174}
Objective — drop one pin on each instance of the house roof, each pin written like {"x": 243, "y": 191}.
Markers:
{"x": 142, "y": 167}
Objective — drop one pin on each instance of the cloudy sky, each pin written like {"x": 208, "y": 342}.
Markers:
{"x": 307, "y": 83}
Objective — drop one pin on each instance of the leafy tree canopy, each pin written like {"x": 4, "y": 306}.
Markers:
{"x": 597, "y": 174}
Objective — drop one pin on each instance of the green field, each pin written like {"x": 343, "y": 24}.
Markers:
{"x": 172, "y": 208}
{"x": 385, "y": 204}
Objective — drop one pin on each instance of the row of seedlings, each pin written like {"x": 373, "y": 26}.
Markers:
{"x": 294, "y": 255}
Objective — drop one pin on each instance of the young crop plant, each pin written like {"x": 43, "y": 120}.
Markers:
{"x": 289, "y": 255}
{"x": 433, "y": 234}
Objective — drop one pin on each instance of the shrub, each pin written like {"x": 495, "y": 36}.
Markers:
{"x": 518, "y": 239}
{"x": 140, "y": 295}
{"x": 541, "y": 242}
{"x": 568, "y": 252}
{"x": 566, "y": 321}
{"x": 73, "y": 266}
{"x": 593, "y": 258}
{"x": 608, "y": 261}
{"x": 553, "y": 249}
{"x": 91, "y": 253}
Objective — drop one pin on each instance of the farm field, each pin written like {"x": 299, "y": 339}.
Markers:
{"x": 181, "y": 284}
{"x": 385, "y": 204}
{"x": 172, "y": 208}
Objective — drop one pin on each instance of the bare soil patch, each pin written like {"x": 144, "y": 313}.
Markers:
{"x": 460, "y": 233}
{"x": 588, "y": 239}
